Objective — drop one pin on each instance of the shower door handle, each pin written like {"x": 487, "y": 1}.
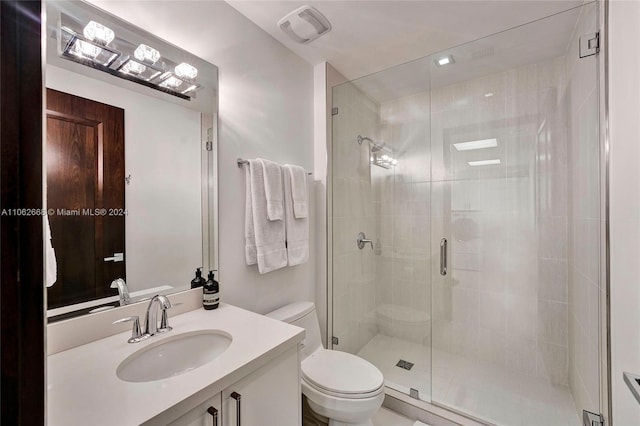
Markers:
{"x": 362, "y": 241}
{"x": 443, "y": 256}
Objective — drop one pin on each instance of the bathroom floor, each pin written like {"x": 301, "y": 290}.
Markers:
{"x": 386, "y": 417}
{"x": 483, "y": 390}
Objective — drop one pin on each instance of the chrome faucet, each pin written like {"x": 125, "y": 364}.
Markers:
{"x": 151, "y": 319}
{"x": 123, "y": 290}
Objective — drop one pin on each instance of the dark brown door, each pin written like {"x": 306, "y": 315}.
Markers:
{"x": 85, "y": 190}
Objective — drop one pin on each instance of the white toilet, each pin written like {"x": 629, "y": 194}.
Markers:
{"x": 340, "y": 386}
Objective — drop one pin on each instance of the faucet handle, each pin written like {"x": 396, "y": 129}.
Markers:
{"x": 164, "y": 319}
{"x": 164, "y": 322}
{"x": 136, "y": 334}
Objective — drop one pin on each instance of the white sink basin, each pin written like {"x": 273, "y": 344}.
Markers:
{"x": 173, "y": 356}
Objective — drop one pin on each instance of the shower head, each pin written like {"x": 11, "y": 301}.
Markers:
{"x": 376, "y": 147}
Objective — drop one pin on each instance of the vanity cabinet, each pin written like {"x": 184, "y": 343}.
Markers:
{"x": 208, "y": 413}
{"x": 269, "y": 396}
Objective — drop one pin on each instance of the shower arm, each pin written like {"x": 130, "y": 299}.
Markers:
{"x": 364, "y": 138}
{"x": 375, "y": 148}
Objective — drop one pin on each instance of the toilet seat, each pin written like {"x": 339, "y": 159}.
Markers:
{"x": 342, "y": 374}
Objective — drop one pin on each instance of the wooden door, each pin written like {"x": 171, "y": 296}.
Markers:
{"x": 85, "y": 189}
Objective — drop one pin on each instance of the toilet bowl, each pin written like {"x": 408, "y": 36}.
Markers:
{"x": 346, "y": 389}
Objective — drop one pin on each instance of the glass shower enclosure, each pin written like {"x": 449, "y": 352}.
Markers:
{"x": 475, "y": 174}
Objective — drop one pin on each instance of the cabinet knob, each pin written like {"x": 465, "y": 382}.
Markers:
{"x": 237, "y": 397}
{"x": 214, "y": 414}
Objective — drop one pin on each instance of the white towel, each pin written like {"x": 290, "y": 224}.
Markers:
{"x": 297, "y": 229}
{"x": 51, "y": 265}
{"x": 269, "y": 236}
{"x": 298, "y": 190}
{"x": 250, "y": 252}
{"x": 273, "y": 189}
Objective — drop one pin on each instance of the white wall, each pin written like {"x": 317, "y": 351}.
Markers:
{"x": 265, "y": 110}
{"x": 163, "y": 226}
{"x": 624, "y": 199}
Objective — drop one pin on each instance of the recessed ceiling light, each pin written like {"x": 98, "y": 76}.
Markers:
{"x": 484, "y": 162}
{"x": 444, "y": 60}
{"x": 488, "y": 95}
{"x": 484, "y": 143}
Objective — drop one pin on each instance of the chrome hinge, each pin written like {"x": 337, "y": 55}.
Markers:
{"x": 589, "y": 44}
{"x": 413, "y": 393}
{"x": 334, "y": 340}
{"x": 209, "y": 146}
{"x": 592, "y": 419}
{"x": 334, "y": 111}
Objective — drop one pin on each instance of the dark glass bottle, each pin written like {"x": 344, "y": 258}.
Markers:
{"x": 198, "y": 281}
{"x": 211, "y": 293}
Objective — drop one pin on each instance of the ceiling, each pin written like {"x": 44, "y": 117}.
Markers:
{"x": 368, "y": 36}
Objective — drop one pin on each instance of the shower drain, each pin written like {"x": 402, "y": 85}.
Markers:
{"x": 404, "y": 364}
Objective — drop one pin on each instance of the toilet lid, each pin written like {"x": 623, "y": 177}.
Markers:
{"x": 341, "y": 372}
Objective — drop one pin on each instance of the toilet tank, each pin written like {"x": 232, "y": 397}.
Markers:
{"x": 302, "y": 314}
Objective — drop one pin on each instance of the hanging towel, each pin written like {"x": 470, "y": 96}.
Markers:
{"x": 249, "y": 234}
{"x": 270, "y": 249}
{"x": 298, "y": 177}
{"x": 51, "y": 265}
{"x": 297, "y": 229}
{"x": 273, "y": 189}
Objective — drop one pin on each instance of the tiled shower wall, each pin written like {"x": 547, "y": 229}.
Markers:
{"x": 584, "y": 219}
{"x": 353, "y": 269}
{"x": 402, "y": 222}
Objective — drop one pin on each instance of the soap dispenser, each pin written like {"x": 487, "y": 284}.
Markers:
{"x": 211, "y": 293}
{"x": 198, "y": 281}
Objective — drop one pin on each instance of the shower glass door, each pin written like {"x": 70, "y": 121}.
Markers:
{"x": 380, "y": 184}
{"x": 515, "y": 224}
{"x": 487, "y": 154}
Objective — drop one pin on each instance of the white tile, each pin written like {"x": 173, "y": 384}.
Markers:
{"x": 386, "y": 417}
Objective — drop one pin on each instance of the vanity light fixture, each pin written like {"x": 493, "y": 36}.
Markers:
{"x": 444, "y": 60}
{"x": 97, "y": 46}
{"x": 480, "y": 144}
{"x": 145, "y": 53}
{"x": 484, "y": 162}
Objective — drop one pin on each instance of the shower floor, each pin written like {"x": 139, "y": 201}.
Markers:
{"x": 481, "y": 390}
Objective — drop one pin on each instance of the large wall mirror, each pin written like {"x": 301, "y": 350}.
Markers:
{"x": 130, "y": 161}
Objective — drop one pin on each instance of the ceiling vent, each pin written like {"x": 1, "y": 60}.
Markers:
{"x": 305, "y": 24}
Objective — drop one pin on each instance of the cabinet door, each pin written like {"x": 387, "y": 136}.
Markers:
{"x": 270, "y": 396}
{"x": 208, "y": 413}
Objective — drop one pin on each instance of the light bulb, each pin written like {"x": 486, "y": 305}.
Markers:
{"x": 185, "y": 70}
{"x": 146, "y": 53}
{"x": 171, "y": 83}
{"x": 85, "y": 50}
{"x": 133, "y": 68}
{"x": 98, "y": 33}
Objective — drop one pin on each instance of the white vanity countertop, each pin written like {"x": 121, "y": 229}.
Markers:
{"x": 82, "y": 386}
